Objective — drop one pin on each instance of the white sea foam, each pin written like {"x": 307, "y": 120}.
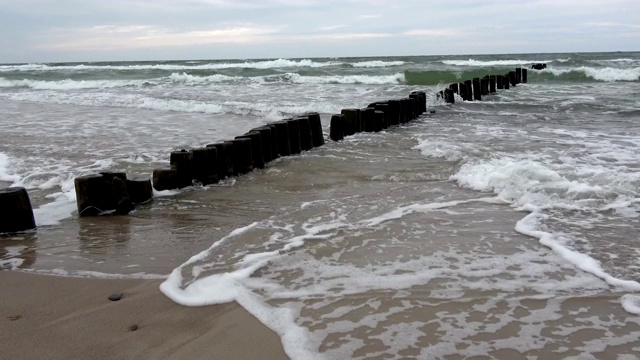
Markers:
{"x": 93, "y": 274}
{"x": 377, "y": 63}
{"x": 68, "y": 84}
{"x": 473, "y": 62}
{"x": 192, "y": 65}
{"x": 5, "y": 170}
{"x": 397, "y": 78}
{"x": 185, "y": 78}
{"x": 600, "y": 74}
{"x": 265, "y": 64}
{"x": 631, "y": 303}
{"x": 319, "y": 285}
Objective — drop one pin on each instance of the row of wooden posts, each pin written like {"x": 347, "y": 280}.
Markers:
{"x": 259, "y": 146}
{"x": 474, "y": 90}
{"x": 115, "y": 193}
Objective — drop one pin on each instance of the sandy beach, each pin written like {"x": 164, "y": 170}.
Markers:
{"x": 72, "y": 318}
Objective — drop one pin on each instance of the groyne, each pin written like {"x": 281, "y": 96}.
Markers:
{"x": 114, "y": 193}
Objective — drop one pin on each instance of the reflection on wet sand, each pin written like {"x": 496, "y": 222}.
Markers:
{"x": 18, "y": 251}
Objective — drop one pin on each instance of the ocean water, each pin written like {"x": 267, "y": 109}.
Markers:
{"x": 505, "y": 228}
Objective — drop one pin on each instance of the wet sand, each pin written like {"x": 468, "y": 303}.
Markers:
{"x": 57, "y": 318}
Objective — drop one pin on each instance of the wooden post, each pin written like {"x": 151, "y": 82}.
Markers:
{"x": 350, "y": 118}
{"x": 484, "y": 86}
{"x": 512, "y": 78}
{"x": 306, "y": 135}
{"x": 181, "y": 161}
{"x": 524, "y": 76}
{"x": 336, "y": 128}
{"x": 257, "y": 159}
{"x": 316, "y": 129}
{"x": 224, "y": 161}
{"x": 393, "y": 117}
{"x": 274, "y": 141}
{"x": 139, "y": 189}
{"x": 266, "y": 139}
{"x": 165, "y": 179}
{"x": 16, "y": 213}
{"x": 518, "y": 75}
{"x": 492, "y": 83}
{"x": 469, "y": 86}
{"x": 449, "y": 98}
{"x": 284, "y": 146}
{"x": 367, "y": 116}
{"x": 477, "y": 92}
{"x": 241, "y": 151}
{"x": 294, "y": 136}
{"x": 203, "y": 166}
{"x": 378, "y": 120}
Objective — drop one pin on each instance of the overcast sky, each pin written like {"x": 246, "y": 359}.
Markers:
{"x": 94, "y": 30}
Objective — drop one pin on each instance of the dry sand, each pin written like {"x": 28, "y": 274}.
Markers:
{"x": 71, "y": 318}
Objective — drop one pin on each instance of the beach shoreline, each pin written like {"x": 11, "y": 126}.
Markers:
{"x": 73, "y": 318}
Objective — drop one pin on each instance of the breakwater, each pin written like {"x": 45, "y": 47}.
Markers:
{"x": 114, "y": 193}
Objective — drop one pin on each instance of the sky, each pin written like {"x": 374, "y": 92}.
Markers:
{"x": 113, "y": 30}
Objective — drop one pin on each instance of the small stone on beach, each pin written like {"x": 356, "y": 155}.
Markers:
{"x": 115, "y": 297}
{"x": 133, "y": 327}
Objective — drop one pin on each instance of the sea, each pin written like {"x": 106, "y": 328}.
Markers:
{"x": 505, "y": 228}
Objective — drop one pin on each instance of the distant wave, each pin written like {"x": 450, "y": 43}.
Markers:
{"x": 397, "y": 78}
{"x": 191, "y": 65}
{"x": 68, "y": 84}
{"x": 600, "y": 74}
{"x": 473, "y": 62}
{"x": 377, "y": 63}
{"x": 188, "y": 79}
